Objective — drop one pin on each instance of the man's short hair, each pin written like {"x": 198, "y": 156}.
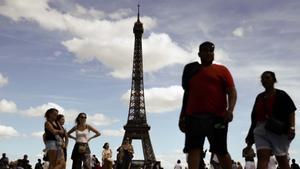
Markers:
{"x": 207, "y": 46}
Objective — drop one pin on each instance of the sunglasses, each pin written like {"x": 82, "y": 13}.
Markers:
{"x": 82, "y": 117}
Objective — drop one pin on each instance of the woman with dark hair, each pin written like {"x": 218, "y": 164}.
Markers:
{"x": 53, "y": 148}
{"x": 64, "y": 137}
{"x": 272, "y": 123}
{"x": 81, "y": 152}
{"x": 107, "y": 162}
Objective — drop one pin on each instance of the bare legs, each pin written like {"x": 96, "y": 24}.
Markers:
{"x": 54, "y": 162}
{"x": 225, "y": 161}
{"x": 283, "y": 162}
{"x": 52, "y": 155}
{"x": 194, "y": 156}
{"x": 263, "y": 156}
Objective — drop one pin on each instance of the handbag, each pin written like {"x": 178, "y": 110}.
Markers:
{"x": 275, "y": 126}
{"x": 82, "y": 148}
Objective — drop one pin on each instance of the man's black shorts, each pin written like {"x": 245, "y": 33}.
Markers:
{"x": 215, "y": 129}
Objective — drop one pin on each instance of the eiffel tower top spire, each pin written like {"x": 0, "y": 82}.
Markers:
{"x": 138, "y": 26}
{"x": 138, "y": 16}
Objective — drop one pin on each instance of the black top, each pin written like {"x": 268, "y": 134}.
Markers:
{"x": 282, "y": 108}
{"x": 49, "y": 135}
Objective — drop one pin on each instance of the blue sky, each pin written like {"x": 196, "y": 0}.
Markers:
{"x": 77, "y": 56}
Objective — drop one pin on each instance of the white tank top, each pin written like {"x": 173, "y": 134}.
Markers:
{"x": 82, "y": 136}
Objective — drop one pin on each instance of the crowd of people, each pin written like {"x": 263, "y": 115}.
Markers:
{"x": 56, "y": 140}
{"x": 24, "y": 163}
{"x": 207, "y": 109}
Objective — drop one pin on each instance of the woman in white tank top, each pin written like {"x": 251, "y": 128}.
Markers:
{"x": 81, "y": 152}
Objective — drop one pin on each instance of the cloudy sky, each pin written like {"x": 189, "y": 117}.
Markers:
{"x": 77, "y": 56}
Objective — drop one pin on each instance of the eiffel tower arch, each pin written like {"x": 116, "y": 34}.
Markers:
{"x": 137, "y": 127}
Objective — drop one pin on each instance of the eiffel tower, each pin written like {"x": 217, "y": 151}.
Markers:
{"x": 137, "y": 127}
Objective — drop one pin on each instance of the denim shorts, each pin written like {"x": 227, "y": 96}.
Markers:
{"x": 52, "y": 145}
{"x": 264, "y": 139}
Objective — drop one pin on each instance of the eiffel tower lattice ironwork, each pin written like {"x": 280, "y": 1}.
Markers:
{"x": 137, "y": 127}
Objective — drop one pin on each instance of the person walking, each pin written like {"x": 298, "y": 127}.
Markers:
{"x": 81, "y": 152}
{"x": 272, "y": 123}
{"x": 208, "y": 103}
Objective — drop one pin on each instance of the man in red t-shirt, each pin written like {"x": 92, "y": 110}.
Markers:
{"x": 209, "y": 100}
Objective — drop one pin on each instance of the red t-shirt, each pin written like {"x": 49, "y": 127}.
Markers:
{"x": 264, "y": 108}
{"x": 208, "y": 91}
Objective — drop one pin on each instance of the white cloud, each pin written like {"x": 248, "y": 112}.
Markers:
{"x": 96, "y": 39}
{"x": 113, "y": 133}
{"x": 3, "y": 80}
{"x": 238, "y": 32}
{"x": 100, "y": 120}
{"x": 7, "y": 132}
{"x": 293, "y": 152}
{"x": 222, "y": 57}
{"x": 70, "y": 114}
{"x": 34, "y": 10}
{"x": 159, "y": 100}
{"x": 121, "y": 13}
{"x": 7, "y": 106}
{"x": 40, "y": 110}
{"x": 92, "y": 13}
{"x": 38, "y": 134}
